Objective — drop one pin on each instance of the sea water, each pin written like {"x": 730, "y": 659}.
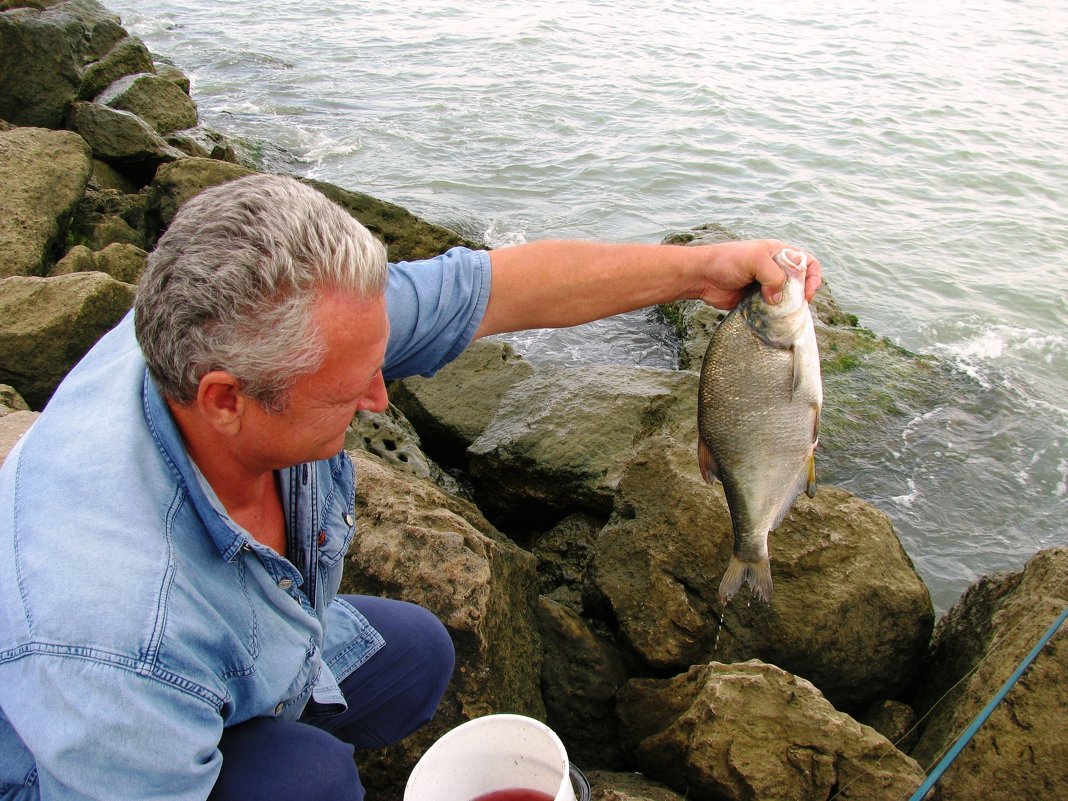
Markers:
{"x": 919, "y": 149}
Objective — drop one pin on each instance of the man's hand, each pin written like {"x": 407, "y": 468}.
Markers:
{"x": 733, "y": 266}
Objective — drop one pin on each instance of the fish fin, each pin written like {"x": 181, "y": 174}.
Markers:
{"x": 709, "y": 468}
{"x": 810, "y": 484}
{"x": 756, "y": 574}
{"x": 799, "y": 371}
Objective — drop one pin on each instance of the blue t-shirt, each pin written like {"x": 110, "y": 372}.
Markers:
{"x": 137, "y": 619}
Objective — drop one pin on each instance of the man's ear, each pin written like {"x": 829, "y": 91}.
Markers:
{"x": 221, "y": 401}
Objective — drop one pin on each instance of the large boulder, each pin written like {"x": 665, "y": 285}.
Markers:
{"x": 560, "y": 438}
{"x": 129, "y": 56}
{"x": 121, "y": 139}
{"x": 178, "y": 181}
{"x": 417, "y": 543}
{"x": 750, "y": 731}
{"x": 580, "y": 676}
{"x": 43, "y": 52}
{"x": 850, "y": 614}
{"x": 157, "y": 101}
{"x": 453, "y": 409}
{"x": 43, "y": 174}
{"x": 406, "y": 236}
{"x": 1021, "y": 751}
{"x": 48, "y": 324}
{"x": 122, "y": 262}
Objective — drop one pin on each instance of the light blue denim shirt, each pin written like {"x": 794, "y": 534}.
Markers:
{"x": 137, "y": 620}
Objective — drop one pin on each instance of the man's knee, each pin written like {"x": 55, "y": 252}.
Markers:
{"x": 274, "y": 760}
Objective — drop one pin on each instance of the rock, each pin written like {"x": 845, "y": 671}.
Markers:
{"x": 406, "y": 236}
{"x": 391, "y": 437}
{"x": 419, "y": 544}
{"x": 107, "y": 216}
{"x": 47, "y": 325}
{"x": 122, "y": 139}
{"x": 893, "y": 720}
{"x": 105, "y": 177}
{"x": 11, "y": 401}
{"x": 174, "y": 75}
{"x": 157, "y": 101}
{"x": 453, "y": 409}
{"x": 1021, "y": 750}
{"x": 178, "y": 181}
{"x": 752, "y": 731}
{"x": 849, "y": 614}
{"x": 121, "y": 261}
{"x": 564, "y": 554}
{"x": 580, "y": 675}
{"x": 44, "y": 174}
{"x": 79, "y": 259}
{"x": 129, "y": 56}
{"x": 42, "y": 55}
{"x": 203, "y": 142}
{"x": 560, "y": 439}
{"x": 609, "y": 786}
{"x": 12, "y": 426}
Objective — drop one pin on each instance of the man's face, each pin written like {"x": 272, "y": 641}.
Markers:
{"x": 322, "y": 404}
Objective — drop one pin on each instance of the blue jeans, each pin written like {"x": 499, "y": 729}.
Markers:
{"x": 391, "y": 695}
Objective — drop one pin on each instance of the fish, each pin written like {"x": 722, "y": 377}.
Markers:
{"x": 758, "y": 412}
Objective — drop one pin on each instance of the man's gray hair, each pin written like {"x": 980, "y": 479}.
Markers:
{"x": 232, "y": 284}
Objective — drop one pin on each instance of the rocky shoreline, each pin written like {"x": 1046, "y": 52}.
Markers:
{"x": 554, "y": 518}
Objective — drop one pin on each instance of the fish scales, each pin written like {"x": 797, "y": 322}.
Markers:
{"x": 758, "y": 413}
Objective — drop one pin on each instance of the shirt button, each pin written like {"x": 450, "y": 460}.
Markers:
{"x": 322, "y": 538}
{"x": 278, "y": 709}
{"x": 285, "y": 584}
{"x": 348, "y": 518}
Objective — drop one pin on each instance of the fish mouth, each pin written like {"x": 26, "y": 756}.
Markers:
{"x": 792, "y": 261}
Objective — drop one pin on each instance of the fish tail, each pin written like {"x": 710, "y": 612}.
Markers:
{"x": 756, "y": 574}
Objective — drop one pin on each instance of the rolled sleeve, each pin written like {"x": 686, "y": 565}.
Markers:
{"x": 435, "y": 307}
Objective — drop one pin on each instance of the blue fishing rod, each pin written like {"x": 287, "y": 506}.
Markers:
{"x": 980, "y": 719}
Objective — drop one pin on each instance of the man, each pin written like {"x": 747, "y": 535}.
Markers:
{"x": 172, "y": 529}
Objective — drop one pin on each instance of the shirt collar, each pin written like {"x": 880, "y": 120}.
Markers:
{"x": 228, "y": 536}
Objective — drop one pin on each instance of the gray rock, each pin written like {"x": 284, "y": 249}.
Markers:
{"x": 560, "y": 439}
{"x": 203, "y": 142}
{"x": 1021, "y": 750}
{"x": 850, "y": 614}
{"x": 391, "y": 437}
{"x": 419, "y": 544}
{"x": 129, "y": 56}
{"x": 453, "y": 409}
{"x": 42, "y": 55}
{"x": 157, "y": 101}
{"x": 48, "y": 324}
{"x": 174, "y": 75}
{"x": 43, "y": 175}
{"x": 752, "y": 731}
{"x": 120, "y": 137}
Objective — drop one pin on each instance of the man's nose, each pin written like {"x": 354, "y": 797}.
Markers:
{"x": 376, "y": 399}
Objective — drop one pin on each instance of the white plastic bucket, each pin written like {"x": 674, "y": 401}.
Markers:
{"x": 492, "y": 753}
